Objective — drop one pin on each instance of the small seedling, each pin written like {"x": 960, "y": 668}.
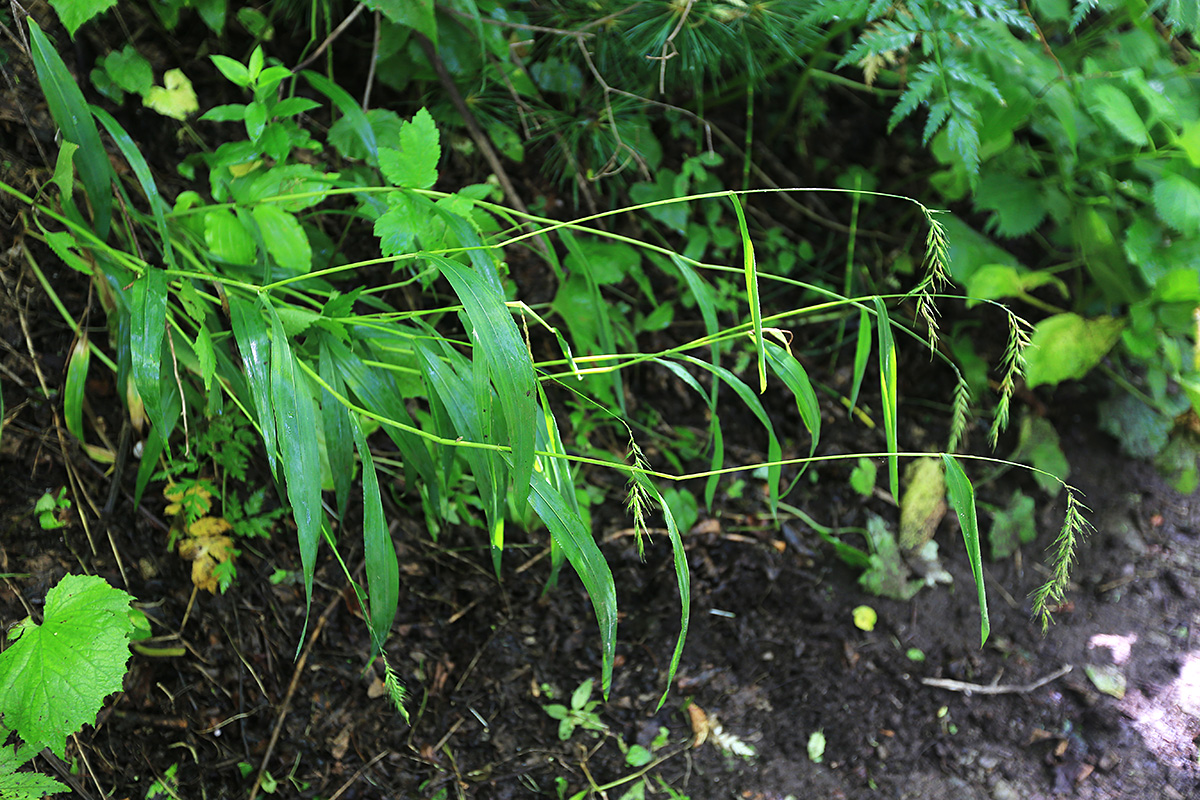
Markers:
{"x": 52, "y": 510}
{"x": 581, "y": 714}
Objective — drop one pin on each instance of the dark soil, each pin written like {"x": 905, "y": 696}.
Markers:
{"x": 772, "y": 654}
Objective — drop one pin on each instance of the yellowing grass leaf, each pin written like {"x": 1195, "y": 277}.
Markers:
{"x": 75, "y": 386}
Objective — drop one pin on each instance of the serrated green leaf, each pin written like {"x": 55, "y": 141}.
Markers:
{"x": 55, "y": 677}
{"x": 1115, "y": 108}
{"x": 414, "y": 164}
{"x": 74, "y": 13}
{"x": 284, "y": 237}
{"x": 205, "y": 357}
{"x": 1177, "y": 201}
{"x": 23, "y": 785}
{"x": 416, "y": 14}
{"x": 1067, "y": 346}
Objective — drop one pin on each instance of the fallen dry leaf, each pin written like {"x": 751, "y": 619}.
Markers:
{"x": 206, "y": 546}
{"x": 700, "y": 725}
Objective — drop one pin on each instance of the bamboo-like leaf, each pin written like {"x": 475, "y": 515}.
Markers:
{"x": 137, "y": 162}
{"x": 962, "y": 497}
{"x": 296, "y": 424}
{"x": 705, "y": 301}
{"x": 339, "y": 442}
{"x": 71, "y": 114}
{"x": 584, "y": 555}
{"x": 796, "y": 379}
{"x": 774, "y": 452}
{"x": 750, "y": 267}
{"x": 350, "y": 108}
{"x": 862, "y": 352}
{"x": 380, "y": 395}
{"x": 606, "y": 337}
{"x": 467, "y": 416}
{"x": 498, "y": 342}
{"x": 383, "y": 570}
{"x": 148, "y": 312}
{"x": 558, "y": 471}
{"x": 887, "y": 390}
{"x": 250, "y": 332}
{"x": 75, "y": 386}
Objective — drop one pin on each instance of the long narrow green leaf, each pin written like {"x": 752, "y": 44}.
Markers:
{"x": 605, "y": 335}
{"x": 887, "y": 390}
{"x": 148, "y": 312}
{"x": 75, "y": 386}
{"x": 498, "y": 342}
{"x": 774, "y": 452}
{"x": 382, "y": 568}
{"x": 559, "y": 473}
{"x": 250, "y": 332}
{"x": 379, "y": 394}
{"x": 717, "y": 460}
{"x": 750, "y": 267}
{"x": 296, "y": 423}
{"x": 581, "y": 550}
{"x": 71, "y": 114}
{"x": 468, "y": 417}
{"x": 706, "y": 302}
{"x": 962, "y": 497}
{"x": 335, "y": 418}
{"x": 795, "y": 377}
{"x": 862, "y": 353}
{"x": 137, "y": 162}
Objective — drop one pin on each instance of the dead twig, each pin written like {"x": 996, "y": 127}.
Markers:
{"x": 1004, "y": 688}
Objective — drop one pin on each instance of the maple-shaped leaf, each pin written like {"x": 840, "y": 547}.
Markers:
{"x": 55, "y": 677}
{"x": 414, "y": 164}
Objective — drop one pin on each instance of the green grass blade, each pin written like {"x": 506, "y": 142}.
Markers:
{"x": 750, "y": 267}
{"x": 339, "y": 441}
{"x": 558, "y": 472}
{"x": 794, "y": 376}
{"x": 250, "y": 333}
{"x": 683, "y": 580}
{"x": 148, "y": 311}
{"x": 141, "y": 171}
{"x": 862, "y": 353}
{"x": 887, "y": 389}
{"x": 350, "y": 107}
{"x": 498, "y": 342}
{"x": 584, "y": 555}
{"x": 962, "y": 497}
{"x": 382, "y": 568}
{"x": 468, "y": 416}
{"x": 296, "y": 423}
{"x": 71, "y": 114}
{"x": 75, "y": 386}
{"x": 747, "y": 396}
{"x": 379, "y": 393}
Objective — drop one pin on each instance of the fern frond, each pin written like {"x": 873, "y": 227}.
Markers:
{"x": 1082, "y": 7}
